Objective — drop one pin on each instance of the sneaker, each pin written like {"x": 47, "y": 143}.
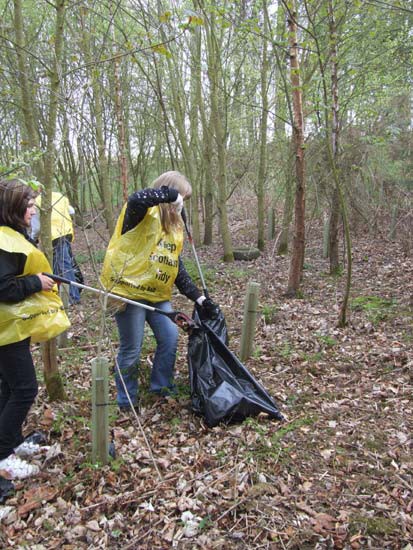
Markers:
{"x": 15, "y": 467}
{"x": 38, "y": 438}
{"x": 27, "y": 449}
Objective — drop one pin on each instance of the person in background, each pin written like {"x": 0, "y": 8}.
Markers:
{"x": 64, "y": 263}
{"x": 143, "y": 262}
{"x": 29, "y": 308}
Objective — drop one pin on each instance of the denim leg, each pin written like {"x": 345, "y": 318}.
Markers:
{"x": 131, "y": 324}
{"x": 18, "y": 390}
{"x": 166, "y": 335}
{"x": 63, "y": 266}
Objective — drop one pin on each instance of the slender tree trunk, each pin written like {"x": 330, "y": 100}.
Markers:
{"x": 297, "y": 258}
{"x": 282, "y": 246}
{"x": 97, "y": 108}
{"x": 208, "y": 178}
{"x": 285, "y": 111}
{"x": 262, "y": 168}
{"x": 218, "y": 118}
{"x": 123, "y": 161}
{"x": 335, "y": 201}
{"x": 29, "y": 127}
{"x": 52, "y": 377}
{"x": 206, "y": 169}
{"x": 196, "y": 99}
{"x": 331, "y": 147}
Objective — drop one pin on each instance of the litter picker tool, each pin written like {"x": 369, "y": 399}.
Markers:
{"x": 190, "y": 239}
{"x": 181, "y": 319}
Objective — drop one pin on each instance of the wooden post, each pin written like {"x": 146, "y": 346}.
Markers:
{"x": 250, "y": 318}
{"x": 393, "y": 223}
{"x": 64, "y": 295}
{"x": 326, "y": 235}
{"x": 100, "y": 422}
{"x": 271, "y": 224}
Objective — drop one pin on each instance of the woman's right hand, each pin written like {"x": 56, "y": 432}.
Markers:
{"x": 47, "y": 282}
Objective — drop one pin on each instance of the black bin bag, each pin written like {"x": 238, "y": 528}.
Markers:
{"x": 222, "y": 389}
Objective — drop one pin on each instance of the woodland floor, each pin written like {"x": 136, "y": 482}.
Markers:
{"x": 336, "y": 474}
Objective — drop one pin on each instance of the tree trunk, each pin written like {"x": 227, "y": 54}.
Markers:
{"x": 217, "y": 119}
{"x": 123, "y": 161}
{"x": 29, "y": 127}
{"x": 282, "y": 246}
{"x": 97, "y": 114}
{"x": 52, "y": 377}
{"x": 335, "y": 201}
{"x": 297, "y": 258}
{"x": 194, "y": 146}
{"x": 262, "y": 168}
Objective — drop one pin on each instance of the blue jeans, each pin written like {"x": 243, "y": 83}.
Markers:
{"x": 63, "y": 265}
{"x": 131, "y": 324}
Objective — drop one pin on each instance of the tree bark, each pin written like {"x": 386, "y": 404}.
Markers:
{"x": 97, "y": 114}
{"x": 217, "y": 119}
{"x": 29, "y": 128}
{"x": 262, "y": 167}
{"x": 335, "y": 200}
{"x": 53, "y": 381}
{"x": 297, "y": 258}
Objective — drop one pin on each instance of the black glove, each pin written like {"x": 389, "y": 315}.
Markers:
{"x": 208, "y": 309}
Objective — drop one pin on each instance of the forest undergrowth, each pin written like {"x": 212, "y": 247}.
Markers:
{"x": 336, "y": 474}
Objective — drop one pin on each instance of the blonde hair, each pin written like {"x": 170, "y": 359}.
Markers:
{"x": 175, "y": 180}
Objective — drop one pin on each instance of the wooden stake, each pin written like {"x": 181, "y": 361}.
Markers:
{"x": 250, "y": 318}
{"x": 271, "y": 224}
{"x": 64, "y": 295}
{"x": 100, "y": 422}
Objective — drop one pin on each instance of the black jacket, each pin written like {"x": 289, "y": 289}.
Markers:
{"x": 138, "y": 204}
{"x": 12, "y": 287}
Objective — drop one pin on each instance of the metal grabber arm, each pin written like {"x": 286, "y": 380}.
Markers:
{"x": 181, "y": 319}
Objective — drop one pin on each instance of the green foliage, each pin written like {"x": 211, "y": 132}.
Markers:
{"x": 237, "y": 272}
{"x": 326, "y": 340}
{"x": 372, "y": 526}
{"x": 116, "y": 463}
{"x": 97, "y": 256}
{"x": 192, "y": 269}
{"x": 161, "y": 49}
{"x": 269, "y": 313}
{"x": 58, "y": 423}
{"x": 205, "y": 523}
{"x": 270, "y": 445}
{"x": 377, "y": 308}
{"x": 20, "y": 166}
{"x": 182, "y": 391}
{"x": 286, "y": 350}
{"x": 175, "y": 422}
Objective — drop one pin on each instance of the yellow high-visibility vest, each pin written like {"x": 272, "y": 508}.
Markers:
{"x": 61, "y": 221}
{"x": 142, "y": 264}
{"x": 41, "y": 315}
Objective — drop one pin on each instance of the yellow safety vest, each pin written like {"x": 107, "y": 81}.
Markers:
{"x": 142, "y": 264}
{"x": 41, "y": 315}
{"x": 61, "y": 221}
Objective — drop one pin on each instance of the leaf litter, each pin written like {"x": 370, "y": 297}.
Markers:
{"x": 336, "y": 474}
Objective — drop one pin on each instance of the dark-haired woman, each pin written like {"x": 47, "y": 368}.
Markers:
{"x": 30, "y": 309}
